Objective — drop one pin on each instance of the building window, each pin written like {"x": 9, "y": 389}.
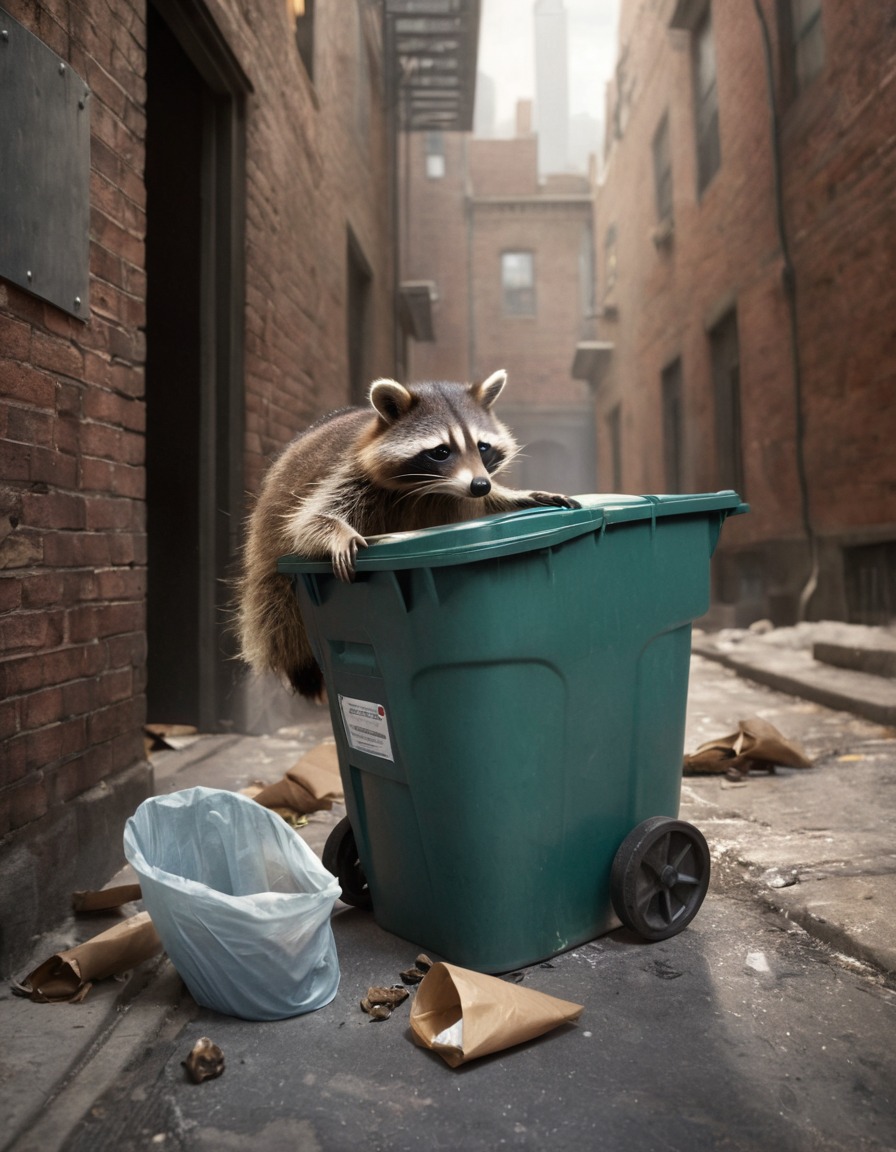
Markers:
{"x": 725, "y": 357}
{"x": 518, "y": 283}
{"x": 304, "y": 14}
{"x": 662, "y": 171}
{"x": 434, "y": 146}
{"x": 614, "y": 431}
{"x": 672, "y": 426}
{"x": 803, "y": 37}
{"x": 706, "y": 102}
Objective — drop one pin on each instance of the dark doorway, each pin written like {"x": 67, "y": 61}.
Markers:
{"x": 193, "y": 361}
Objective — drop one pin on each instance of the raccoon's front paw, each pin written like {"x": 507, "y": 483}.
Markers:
{"x": 555, "y": 499}
{"x": 345, "y": 555}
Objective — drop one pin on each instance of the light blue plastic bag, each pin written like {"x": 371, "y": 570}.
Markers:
{"x": 241, "y": 903}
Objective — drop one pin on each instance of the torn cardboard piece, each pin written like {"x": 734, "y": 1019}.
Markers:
{"x": 463, "y": 1015}
{"x": 105, "y": 899}
{"x": 68, "y": 976}
{"x": 756, "y": 744}
{"x": 312, "y": 784}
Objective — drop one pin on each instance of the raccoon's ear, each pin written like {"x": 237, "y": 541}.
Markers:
{"x": 489, "y": 390}
{"x": 391, "y": 399}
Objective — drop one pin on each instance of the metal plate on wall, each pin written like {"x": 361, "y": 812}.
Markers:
{"x": 44, "y": 171}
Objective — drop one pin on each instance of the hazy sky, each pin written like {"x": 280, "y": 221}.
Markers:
{"x": 507, "y": 51}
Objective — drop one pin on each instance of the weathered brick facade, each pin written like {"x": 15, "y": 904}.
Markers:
{"x": 489, "y": 202}
{"x": 308, "y": 168}
{"x": 673, "y": 291}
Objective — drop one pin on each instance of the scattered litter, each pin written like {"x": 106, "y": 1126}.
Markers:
{"x": 756, "y": 746}
{"x": 421, "y": 966}
{"x": 774, "y": 879}
{"x": 158, "y": 737}
{"x": 462, "y": 1014}
{"x": 311, "y": 785}
{"x": 205, "y": 1061}
{"x": 379, "y": 1003}
{"x": 757, "y": 962}
{"x": 68, "y": 976}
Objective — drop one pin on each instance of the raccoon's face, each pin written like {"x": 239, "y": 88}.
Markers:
{"x": 438, "y": 438}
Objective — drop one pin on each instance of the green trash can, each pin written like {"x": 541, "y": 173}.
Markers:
{"x": 508, "y": 698}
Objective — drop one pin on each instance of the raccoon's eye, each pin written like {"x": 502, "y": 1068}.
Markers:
{"x": 483, "y": 447}
{"x": 440, "y": 453}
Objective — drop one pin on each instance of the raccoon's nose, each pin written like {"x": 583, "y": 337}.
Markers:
{"x": 480, "y": 486}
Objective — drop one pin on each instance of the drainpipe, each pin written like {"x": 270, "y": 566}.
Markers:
{"x": 789, "y": 285}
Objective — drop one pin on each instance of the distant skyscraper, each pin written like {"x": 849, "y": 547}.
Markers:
{"x": 551, "y": 86}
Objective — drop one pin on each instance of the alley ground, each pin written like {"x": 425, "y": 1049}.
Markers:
{"x": 768, "y": 1023}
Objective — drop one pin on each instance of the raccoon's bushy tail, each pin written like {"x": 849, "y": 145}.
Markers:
{"x": 271, "y": 633}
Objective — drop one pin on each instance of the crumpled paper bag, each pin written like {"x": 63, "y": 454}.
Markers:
{"x": 463, "y": 1015}
{"x": 68, "y": 976}
{"x": 312, "y": 784}
{"x": 755, "y": 744}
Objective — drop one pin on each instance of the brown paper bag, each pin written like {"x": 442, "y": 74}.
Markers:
{"x": 69, "y": 975}
{"x": 310, "y": 785}
{"x": 755, "y": 744}
{"x": 463, "y": 1015}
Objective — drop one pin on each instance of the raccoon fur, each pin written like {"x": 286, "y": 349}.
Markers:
{"x": 418, "y": 456}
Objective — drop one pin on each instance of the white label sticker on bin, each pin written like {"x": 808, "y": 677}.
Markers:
{"x": 366, "y": 727}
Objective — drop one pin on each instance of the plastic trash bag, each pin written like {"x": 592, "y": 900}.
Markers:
{"x": 241, "y": 903}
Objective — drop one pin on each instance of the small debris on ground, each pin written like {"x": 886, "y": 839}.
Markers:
{"x": 421, "y": 966}
{"x": 205, "y": 1061}
{"x": 380, "y": 1002}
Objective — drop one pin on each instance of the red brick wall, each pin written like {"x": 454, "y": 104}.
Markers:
{"x": 536, "y": 350}
{"x": 435, "y": 247}
{"x": 72, "y": 419}
{"x": 316, "y": 167}
{"x": 837, "y": 147}
{"x": 489, "y": 202}
{"x": 72, "y": 412}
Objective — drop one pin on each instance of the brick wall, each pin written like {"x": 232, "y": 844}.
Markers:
{"x": 72, "y": 420}
{"x": 435, "y": 247}
{"x": 725, "y": 254}
{"x": 489, "y": 202}
{"x": 73, "y": 483}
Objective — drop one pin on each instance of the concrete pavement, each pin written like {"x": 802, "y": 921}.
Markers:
{"x": 816, "y": 845}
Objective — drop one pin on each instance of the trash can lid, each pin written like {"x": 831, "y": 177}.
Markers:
{"x": 525, "y": 530}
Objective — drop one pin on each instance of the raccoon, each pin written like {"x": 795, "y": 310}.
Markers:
{"x": 418, "y": 456}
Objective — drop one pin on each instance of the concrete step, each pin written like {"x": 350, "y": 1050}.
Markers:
{"x": 876, "y": 660}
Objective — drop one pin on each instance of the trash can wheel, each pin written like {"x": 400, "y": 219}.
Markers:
{"x": 659, "y": 878}
{"x": 340, "y": 856}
